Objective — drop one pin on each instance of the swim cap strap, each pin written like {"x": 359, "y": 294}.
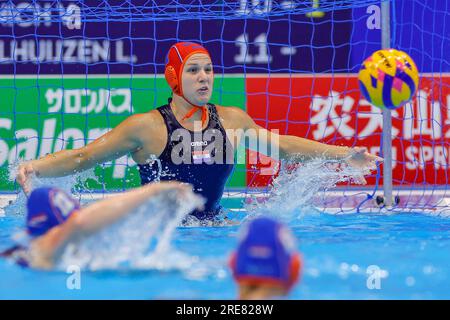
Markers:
{"x": 194, "y": 110}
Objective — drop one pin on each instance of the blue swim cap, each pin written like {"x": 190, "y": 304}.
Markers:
{"x": 47, "y": 208}
{"x": 266, "y": 254}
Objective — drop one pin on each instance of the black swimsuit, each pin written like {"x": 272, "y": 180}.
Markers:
{"x": 207, "y": 176}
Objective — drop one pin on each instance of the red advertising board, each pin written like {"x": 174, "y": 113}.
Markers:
{"x": 330, "y": 109}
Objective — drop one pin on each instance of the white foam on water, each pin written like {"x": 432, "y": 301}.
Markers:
{"x": 142, "y": 240}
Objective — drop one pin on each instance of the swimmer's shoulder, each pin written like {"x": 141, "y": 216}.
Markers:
{"x": 145, "y": 123}
{"x": 232, "y": 117}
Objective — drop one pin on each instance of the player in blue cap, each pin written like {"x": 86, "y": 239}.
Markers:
{"x": 54, "y": 218}
{"x": 265, "y": 264}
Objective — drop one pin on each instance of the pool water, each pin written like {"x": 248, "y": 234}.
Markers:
{"x": 350, "y": 256}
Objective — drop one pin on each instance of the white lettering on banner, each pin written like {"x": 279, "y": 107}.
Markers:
{"x": 326, "y": 108}
{"x": 419, "y": 120}
{"x": 254, "y": 7}
{"x": 110, "y": 95}
{"x": 121, "y": 165}
{"x": 261, "y": 7}
{"x": 27, "y": 14}
{"x": 69, "y": 135}
{"x": 260, "y": 41}
{"x": 423, "y": 118}
{"x": 440, "y": 157}
{"x": 70, "y": 47}
{"x": 447, "y": 120}
{"x": 114, "y": 100}
{"x": 48, "y": 135}
{"x": 375, "y": 116}
{"x": 54, "y": 100}
{"x": 72, "y": 100}
{"x": 100, "y": 50}
{"x": 376, "y": 151}
{"x": 28, "y": 149}
{"x": 63, "y": 51}
{"x": 120, "y": 56}
{"x": 418, "y": 157}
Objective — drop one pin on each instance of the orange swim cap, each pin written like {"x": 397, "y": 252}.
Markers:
{"x": 178, "y": 54}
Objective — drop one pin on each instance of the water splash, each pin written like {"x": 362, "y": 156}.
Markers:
{"x": 67, "y": 183}
{"x": 297, "y": 186}
{"x": 142, "y": 240}
{"x": 301, "y": 190}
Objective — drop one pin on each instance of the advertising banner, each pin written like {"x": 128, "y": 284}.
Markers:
{"x": 330, "y": 109}
{"x": 92, "y": 37}
{"x": 46, "y": 115}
